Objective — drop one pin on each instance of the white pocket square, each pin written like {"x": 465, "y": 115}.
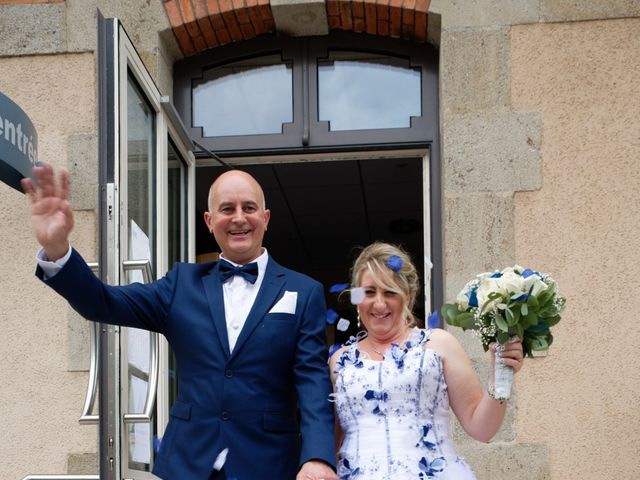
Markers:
{"x": 287, "y": 304}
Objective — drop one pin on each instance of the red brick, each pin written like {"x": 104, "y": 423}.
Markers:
{"x": 240, "y": 11}
{"x": 420, "y": 26}
{"x": 370, "y": 17}
{"x": 256, "y": 19}
{"x": 184, "y": 40}
{"x": 334, "y": 21}
{"x": 383, "y": 27}
{"x": 382, "y": 10}
{"x": 173, "y": 13}
{"x": 395, "y": 18}
{"x": 359, "y": 25}
{"x": 345, "y": 15}
{"x": 333, "y": 8}
{"x": 202, "y": 16}
{"x": 230, "y": 20}
{"x": 357, "y": 9}
{"x": 189, "y": 18}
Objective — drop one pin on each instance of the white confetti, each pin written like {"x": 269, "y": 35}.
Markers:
{"x": 357, "y": 295}
{"x": 343, "y": 324}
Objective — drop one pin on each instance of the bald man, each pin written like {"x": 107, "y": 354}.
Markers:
{"x": 248, "y": 335}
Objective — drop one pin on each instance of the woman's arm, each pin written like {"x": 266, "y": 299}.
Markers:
{"x": 479, "y": 414}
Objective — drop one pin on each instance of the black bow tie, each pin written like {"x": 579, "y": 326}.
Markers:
{"x": 249, "y": 272}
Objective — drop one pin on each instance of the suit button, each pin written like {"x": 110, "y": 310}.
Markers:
{"x": 228, "y": 373}
{"x": 225, "y": 416}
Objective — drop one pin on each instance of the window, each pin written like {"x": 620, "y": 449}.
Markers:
{"x": 287, "y": 95}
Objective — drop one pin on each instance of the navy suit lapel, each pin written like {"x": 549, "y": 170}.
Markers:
{"x": 213, "y": 288}
{"x": 270, "y": 289}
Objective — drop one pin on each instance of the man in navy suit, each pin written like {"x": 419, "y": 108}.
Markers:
{"x": 248, "y": 335}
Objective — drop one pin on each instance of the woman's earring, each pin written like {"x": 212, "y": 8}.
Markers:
{"x": 359, "y": 323}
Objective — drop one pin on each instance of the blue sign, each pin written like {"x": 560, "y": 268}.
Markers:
{"x": 18, "y": 143}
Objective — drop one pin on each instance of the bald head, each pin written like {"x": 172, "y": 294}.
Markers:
{"x": 232, "y": 177}
{"x": 237, "y": 216}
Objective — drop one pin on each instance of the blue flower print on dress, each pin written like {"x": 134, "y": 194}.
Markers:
{"x": 349, "y": 357}
{"x": 398, "y": 353}
{"x": 345, "y": 472}
{"x": 430, "y": 469}
{"x": 380, "y": 399}
{"x": 428, "y": 438}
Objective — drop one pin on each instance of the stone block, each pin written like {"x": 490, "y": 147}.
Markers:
{"x": 479, "y": 237}
{"x": 78, "y": 342}
{"x": 475, "y": 71}
{"x": 300, "y": 17}
{"x": 484, "y": 13}
{"x": 32, "y": 29}
{"x": 82, "y": 159}
{"x": 507, "y": 461}
{"x": 497, "y": 152}
{"x": 82, "y": 464}
{"x": 572, "y": 10}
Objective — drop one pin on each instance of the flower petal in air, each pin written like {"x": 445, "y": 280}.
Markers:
{"x": 332, "y": 316}
{"x": 338, "y": 287}
{"x": 357, "y": 295}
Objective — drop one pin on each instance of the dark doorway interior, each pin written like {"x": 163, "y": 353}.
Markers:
{"x": 322, "y": 212}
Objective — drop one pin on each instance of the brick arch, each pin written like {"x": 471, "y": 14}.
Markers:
{"x": 200, "y": 25}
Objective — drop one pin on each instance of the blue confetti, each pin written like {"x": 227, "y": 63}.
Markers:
{"x": 338, "y": 287}
{"x": 332, "y": 316}
{"x": 395, "y": 263}
{"x": 434, "y": 320}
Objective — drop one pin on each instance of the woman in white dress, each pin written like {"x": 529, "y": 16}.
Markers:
{"x": 393, "y": 386}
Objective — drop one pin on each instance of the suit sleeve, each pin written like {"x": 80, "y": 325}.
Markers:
{"x": 313, "y": 383}
{"x": 135, "y": 305}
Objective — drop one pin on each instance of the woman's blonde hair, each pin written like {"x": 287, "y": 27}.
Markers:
{"x": 402, "y": 279}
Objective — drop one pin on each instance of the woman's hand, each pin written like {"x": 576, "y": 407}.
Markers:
{"x": 512, "y": 355}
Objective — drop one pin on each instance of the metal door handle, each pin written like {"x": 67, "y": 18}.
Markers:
{"x": 145, "y": 417}
{"x": 86, "y": 418}
{"x": 62, "y": 477}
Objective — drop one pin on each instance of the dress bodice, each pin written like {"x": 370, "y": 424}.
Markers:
{"x": 395, "y": 414}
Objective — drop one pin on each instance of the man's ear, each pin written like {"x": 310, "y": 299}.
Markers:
{"x": 267, "y": 217}
{"x": 207, "y": 220}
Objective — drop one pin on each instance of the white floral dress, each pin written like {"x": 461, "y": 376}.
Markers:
{"x": 395, "y": 415}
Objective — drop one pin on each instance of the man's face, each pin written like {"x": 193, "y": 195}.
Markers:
{"x": 237, "y": 217}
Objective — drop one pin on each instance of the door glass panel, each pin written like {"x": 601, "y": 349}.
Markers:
{"x": 141, "y": 140}
{"x": 249, "y": 97}
{"x": 360, "y": 90}
{"x": 177, "y": 224}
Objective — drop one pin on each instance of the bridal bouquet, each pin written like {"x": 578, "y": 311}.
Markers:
{"x": 502, "y": 304}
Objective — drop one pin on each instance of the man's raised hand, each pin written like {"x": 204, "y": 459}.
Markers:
{"x": 51, "y": 214}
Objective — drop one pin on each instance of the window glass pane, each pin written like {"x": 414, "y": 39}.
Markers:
{"x": 249, "y": 97}
{"x": 359, "y": 91}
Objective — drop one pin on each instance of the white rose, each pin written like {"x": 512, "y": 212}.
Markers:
{"x": 511, "y": 283}
{"x": 488, "y": 286}
{"x": 535, "y": 282}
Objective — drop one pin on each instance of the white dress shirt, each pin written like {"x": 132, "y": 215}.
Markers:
{"x": 239, "y": 297}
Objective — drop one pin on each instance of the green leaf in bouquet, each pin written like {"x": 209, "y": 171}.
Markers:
{"x": 465, "y": 320}
{"x": 502, "y": 337}
{"x": 533, "y": 302}
{"x": 501, "y": 323}
{"x": 519, "y": 331}
{"x": 449, "y": 312}
{"x": 539, "y": 344}
{"x": 524, "y": 309}
{"x": 552, "y": 320}
{"x": 538, "y": 329}
{"x": 529, "y": 320}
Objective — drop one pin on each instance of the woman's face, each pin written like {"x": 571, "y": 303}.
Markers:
{"x": 381, "y": 310}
